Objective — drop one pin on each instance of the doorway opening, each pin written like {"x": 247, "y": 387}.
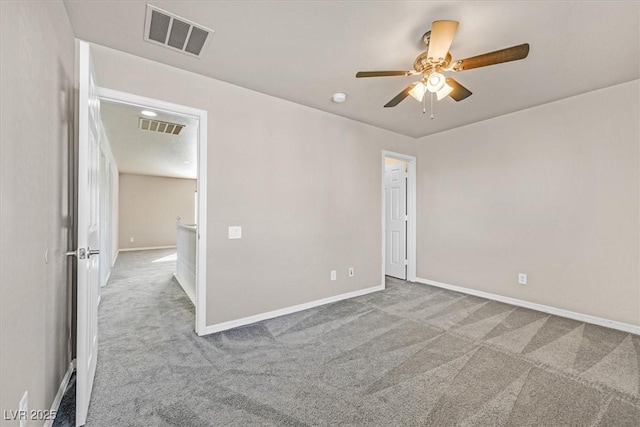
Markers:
{"x": 398, "y": 216}
{"x": 173, "y": 158}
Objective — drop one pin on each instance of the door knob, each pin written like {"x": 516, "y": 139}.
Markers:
{"x": 92, "y": 252}
{"x": 83, "y": 253}
{"x": 80, "y": 253}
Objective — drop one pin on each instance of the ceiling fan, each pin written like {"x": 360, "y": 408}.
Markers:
{"x": 431, "y": 64}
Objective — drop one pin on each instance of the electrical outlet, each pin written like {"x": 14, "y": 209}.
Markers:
{"x": 131, "y": 239}
{"x": 23, "y": 409}
{"x": 522, "y": 279}
{"x": 333, "y": 275}
{"x": 235, "y": 232}
{"x": 351, "y": 272}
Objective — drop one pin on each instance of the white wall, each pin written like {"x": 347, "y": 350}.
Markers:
{"x": 36, "y": 138}
{"x": 550, "y": 191}
{"x": 303, "y": 184}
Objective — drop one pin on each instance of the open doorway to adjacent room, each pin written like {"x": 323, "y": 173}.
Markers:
{"x": 159, "y": 193}
{"x": 398, "y": 216}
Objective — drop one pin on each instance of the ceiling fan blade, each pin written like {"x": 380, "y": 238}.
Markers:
{"x": 442, "y": 34}
{"x": 513, "y": 53}
{"x": 383, "y": 73}
{"x": 401, "y": 96}
{"x": 459, "y": 92}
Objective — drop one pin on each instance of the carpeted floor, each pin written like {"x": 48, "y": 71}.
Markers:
{"x": 66, "y": 414}
{"x": 409, "y": 355}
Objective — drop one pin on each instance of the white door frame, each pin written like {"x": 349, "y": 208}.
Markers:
{"x": 411, "y": 212}
{"x": 201, "y": 248}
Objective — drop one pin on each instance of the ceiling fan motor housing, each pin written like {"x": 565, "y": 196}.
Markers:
{"x": 423, "y": 65}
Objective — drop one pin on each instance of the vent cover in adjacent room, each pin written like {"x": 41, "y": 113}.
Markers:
{"x": 158, "y": 126}
{"x": 175, "y": 32}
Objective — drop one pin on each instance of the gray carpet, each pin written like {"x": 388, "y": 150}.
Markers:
{"x": 66, "y": 413}
{"x": 409, "y": 355}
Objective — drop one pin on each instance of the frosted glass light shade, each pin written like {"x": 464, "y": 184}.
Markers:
{"x": 435, "y": 82}
{"x": 418, "y": 91}
{"x": 445, "y": 91}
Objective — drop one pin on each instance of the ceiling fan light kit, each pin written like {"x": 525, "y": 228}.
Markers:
{"x": 418, "y": 91}
{"x": 437, "y": 59}
{"x": 435, "y": 82}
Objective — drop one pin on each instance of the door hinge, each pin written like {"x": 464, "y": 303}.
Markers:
{"x": 406, "y": 262}
{"x": 406, "y": 217}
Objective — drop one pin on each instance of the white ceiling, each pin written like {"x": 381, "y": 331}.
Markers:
{"x": 144, "y": 152}
{"x": 304, "y": 51}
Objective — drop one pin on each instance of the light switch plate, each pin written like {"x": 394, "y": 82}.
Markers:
{"x": 235, "y": 232}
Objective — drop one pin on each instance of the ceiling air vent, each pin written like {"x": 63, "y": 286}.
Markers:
{"x": 175, "y": 32}
{"x": 158, "y": 126}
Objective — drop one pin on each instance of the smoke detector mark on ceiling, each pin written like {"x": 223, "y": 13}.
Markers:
{"x": 158, "y": 126}
{"x": 175, "y": 32}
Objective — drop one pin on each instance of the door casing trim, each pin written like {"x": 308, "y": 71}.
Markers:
{"x": 201, "y": 249}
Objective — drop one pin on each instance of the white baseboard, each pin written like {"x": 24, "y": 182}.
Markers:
{"x": 186, "y": 290}
{"x": 106, "y": 281}
{"x": 60, "y": 394}
{"x": 626, "y": 327}
{"x": 148, "y": 248}
{"x": 219, "y": 327}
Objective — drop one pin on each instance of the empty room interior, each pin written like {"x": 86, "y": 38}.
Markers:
{"x": 268, "y": 213}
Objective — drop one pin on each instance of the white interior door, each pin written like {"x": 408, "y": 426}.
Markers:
{"x": 396, "y": 220}
{"x": 88, "y": 232}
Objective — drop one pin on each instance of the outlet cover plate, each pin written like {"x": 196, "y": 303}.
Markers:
{"x": 522, "y": 278}
{"x": 333, "y": 275}
{"x": 235, "y": 232}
